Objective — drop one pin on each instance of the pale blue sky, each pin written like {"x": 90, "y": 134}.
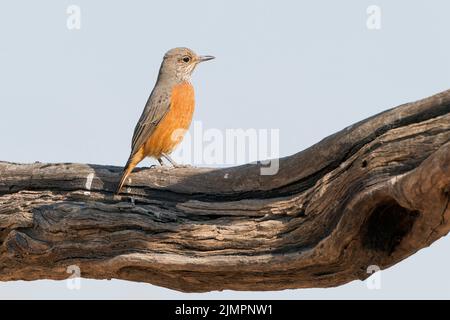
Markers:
{"x": 308, "y": 68}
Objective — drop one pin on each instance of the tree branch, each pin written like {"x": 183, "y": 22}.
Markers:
{"x": 371, "y": 194}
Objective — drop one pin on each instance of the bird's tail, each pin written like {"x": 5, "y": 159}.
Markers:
{"x": 131, "y": 163}
{"x": 126, "y": 171}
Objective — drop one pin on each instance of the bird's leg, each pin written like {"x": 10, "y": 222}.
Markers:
{"x": 160, "y": 162}
{"x": 172, "y": 162}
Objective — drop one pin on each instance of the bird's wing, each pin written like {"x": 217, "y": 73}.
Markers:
{"x": 156, "y": 108}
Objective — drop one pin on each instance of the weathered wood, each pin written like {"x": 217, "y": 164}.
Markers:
{"x": 371, "y": 194}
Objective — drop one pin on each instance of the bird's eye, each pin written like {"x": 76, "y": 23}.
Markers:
{"x": 186, "y": 59}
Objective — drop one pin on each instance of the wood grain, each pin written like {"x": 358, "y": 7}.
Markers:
{"x": 372, "y": 194}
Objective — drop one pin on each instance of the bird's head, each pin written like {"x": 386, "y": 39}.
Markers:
{"x": 179, "y": 63}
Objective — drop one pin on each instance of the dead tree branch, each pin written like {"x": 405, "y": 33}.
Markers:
{"x": 371, "y": 194}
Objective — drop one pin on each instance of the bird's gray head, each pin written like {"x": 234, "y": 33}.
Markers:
{"x": 179, "y": 63}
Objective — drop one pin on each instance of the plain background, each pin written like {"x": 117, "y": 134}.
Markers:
{"x": 306, "y": 68}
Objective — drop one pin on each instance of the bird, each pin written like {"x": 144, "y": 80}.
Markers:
{"x": 168, "y": 112}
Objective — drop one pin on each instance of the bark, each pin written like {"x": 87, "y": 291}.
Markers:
{"x": 371, "y": 194}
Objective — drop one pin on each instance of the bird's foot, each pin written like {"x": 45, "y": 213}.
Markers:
{"x": 172, "y": 162}
{"x": 183, "y": 166}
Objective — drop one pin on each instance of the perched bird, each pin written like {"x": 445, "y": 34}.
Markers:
{"x": 168, "y": 112}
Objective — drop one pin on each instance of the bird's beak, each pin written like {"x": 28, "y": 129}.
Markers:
{"x": 205, "y": 58}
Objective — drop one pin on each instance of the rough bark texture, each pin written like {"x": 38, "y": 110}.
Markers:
{"x": 371, "y": 194}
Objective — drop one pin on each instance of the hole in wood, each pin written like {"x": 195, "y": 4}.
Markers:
{"x": 364, "y": 164}
{"x": 387, "y": 225}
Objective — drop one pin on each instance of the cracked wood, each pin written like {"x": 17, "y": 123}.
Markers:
{"x": 372, "y": 194}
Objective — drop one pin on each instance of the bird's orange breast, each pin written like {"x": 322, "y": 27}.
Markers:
{"x": 170, "y": 131}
